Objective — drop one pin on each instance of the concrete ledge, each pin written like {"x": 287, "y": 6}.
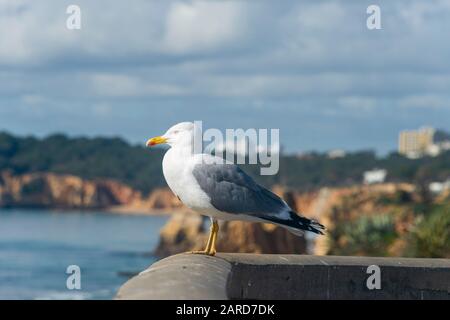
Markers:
{"x": 180, "y": 277}
{"x": 272, "y": 277}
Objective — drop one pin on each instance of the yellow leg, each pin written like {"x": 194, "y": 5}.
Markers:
{"x": 211, "y": 244}
{"x": 215, "y": 232}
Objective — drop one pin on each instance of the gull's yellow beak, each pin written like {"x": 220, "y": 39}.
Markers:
{"x": 156, "y": 140}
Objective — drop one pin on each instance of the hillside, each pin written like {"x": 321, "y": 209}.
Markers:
{"x": 395, "y": 219}
{"x": 140, "y": 168}
{"x": 377, "y": 220}
{"x": 108, "y": 158}
{"x": 62, "y": 191}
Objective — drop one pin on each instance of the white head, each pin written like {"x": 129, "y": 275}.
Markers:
{"x": 181, "y": 134}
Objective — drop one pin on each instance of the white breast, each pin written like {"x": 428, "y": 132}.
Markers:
{"x": 177, "y": 170}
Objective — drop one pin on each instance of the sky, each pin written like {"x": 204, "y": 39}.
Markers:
{"x": 309, "y": 68}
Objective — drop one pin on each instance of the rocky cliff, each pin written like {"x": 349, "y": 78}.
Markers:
{"x": 47, "y": 190}
{"x": 159, "y": 201}
{"x": 186, "y": 232}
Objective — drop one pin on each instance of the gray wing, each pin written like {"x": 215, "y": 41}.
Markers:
{"x": 231, "y": 190}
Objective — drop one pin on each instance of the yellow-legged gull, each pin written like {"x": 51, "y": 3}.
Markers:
{"x": 221, "y": 190}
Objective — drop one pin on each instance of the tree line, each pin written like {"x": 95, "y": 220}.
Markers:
{"x": 140, "y": 167}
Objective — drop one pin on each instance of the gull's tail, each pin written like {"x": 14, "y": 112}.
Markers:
{"x": 298, "y": 224}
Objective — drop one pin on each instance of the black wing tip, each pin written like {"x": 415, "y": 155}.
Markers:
{"x": 306, "y": 224}
{"x": 317, "y": 227}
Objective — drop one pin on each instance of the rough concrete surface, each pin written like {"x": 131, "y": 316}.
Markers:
{"x": 272, "y": 277}
{"x": 180, "y": 277}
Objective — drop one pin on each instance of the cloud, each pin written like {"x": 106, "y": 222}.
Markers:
{"x": 114, "y": 85}
{"x": 102, "y": 109}
{"x": 200, "y": 26}
{"x": 358, "y": 104}
{"x": 420, "y": 15}
{"x": 309, "y": 65}
{"x": 425, "y": 101}
{"x": 33, "y": 99}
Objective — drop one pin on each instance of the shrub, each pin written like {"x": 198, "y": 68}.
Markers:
{"x": 431, "y": 236}
{"x": 368, "y": 235}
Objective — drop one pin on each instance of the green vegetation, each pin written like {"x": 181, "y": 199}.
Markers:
{"x": 87, "y": 158}
{"x": 401, "y": 225}
{"x": 431, "y": 236}
{"x": 318, "y": 170}
{"x": 441, "y": 135}
{"x": 367, "y": 235}
{"x": 141, "y": 168}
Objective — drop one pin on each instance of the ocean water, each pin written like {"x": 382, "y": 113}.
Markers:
{"x": 37, "y": 246}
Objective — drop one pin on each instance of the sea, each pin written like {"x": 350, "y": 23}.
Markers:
{"x": 67, "y": 255}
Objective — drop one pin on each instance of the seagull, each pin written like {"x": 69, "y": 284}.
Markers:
{"x": 213, "y": 187}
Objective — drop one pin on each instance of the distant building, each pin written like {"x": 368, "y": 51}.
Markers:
{"x": 375, "y": 176}
{"x": 337, "y": 153}
{"x": 417, "y": 143}
{"x": 423, "y": 142}
{"x": 438, "y": 187}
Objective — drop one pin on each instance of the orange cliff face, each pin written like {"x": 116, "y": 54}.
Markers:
{"x": 48, "y": 190}
{"x": 185, "y": 232}
{"x": 159, "y": 201}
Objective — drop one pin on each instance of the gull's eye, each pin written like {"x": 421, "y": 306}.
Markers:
{"x": 176, "y": 132}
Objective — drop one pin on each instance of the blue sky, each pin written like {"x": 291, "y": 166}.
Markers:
{"x": 310, "y": 68}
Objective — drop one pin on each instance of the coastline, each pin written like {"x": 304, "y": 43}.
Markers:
{"x": 110, "y": 210}
{"x": 131, "y": 210}
{"x": 39, "y": 245}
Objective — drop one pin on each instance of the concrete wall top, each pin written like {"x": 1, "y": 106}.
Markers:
{"x": 272, "y": 277}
